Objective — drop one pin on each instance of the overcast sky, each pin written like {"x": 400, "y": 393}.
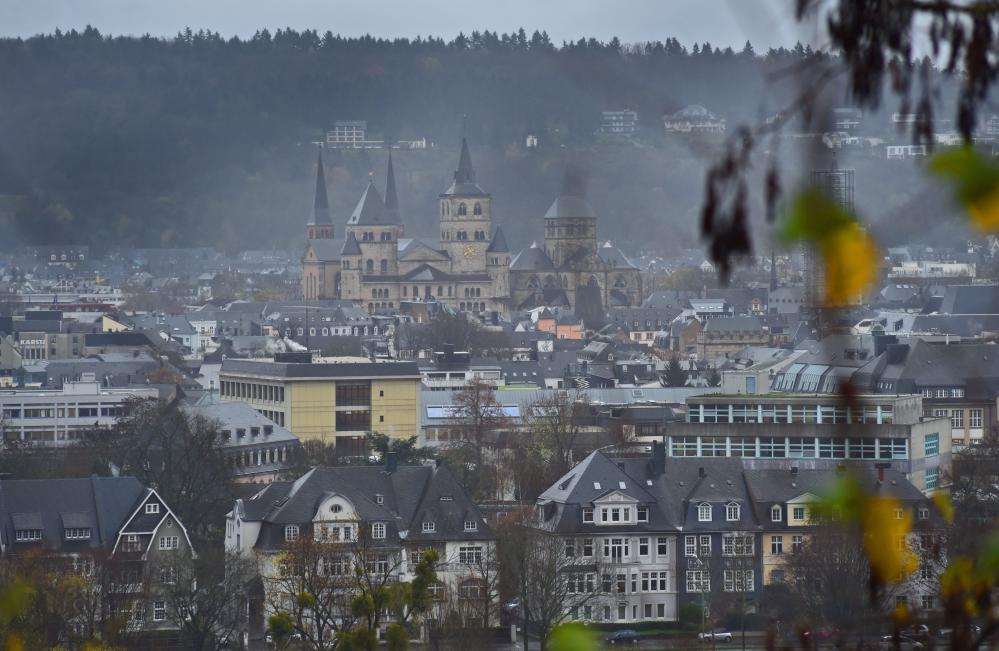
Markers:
{"x": 765, "y": 23}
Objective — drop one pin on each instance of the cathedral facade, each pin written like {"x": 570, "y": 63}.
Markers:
{"x": 470, "y": 268}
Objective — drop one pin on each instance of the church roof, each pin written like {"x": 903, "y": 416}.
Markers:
{"x": 326, "y": 250}
{"x": 464, "y": 177}
{"x": 571, "y": 200}
{"x": 532, "y": 258}
{"x": 409, "y": 247}
{"x": 426, "y": 272}
{"x": 350, "y": 245}
{"x": 320, "y": 204}
{"x": 498, "y": 245}
{"x": 613, "y": 256}
{"x": 391, "y": 198}
{"x": 370, "y": 210}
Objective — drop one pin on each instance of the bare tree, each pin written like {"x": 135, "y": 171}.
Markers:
{"x": 476, "y": 418}
{"x": 545, "y": 449}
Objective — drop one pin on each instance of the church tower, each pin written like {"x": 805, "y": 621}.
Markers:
{"x": 320, "y": 226}
{"x": 351, "y": 261}
{"x": 571, "y": 222}
{"x": 376, "y": 226}
{"x": 498, "y": 267}
{"x": 465, "y": 216}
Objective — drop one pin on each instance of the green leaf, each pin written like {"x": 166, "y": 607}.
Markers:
{"x": 814, "y": 217}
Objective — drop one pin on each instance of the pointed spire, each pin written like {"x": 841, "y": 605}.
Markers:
{"x": 465, "y": 173}
{"x": 498, "y": 245}
{"x": 391, "y": 198}
{"x": 320, "y": 205}
{"x": 350, "y": 245}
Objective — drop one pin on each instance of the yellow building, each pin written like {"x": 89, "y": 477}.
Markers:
{"x": 329, "y": 401}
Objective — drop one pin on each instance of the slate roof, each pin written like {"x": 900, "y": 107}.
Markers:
{"x": 971, "y": 299}
{"x": 410, "y": 496}
{"x": 391, "y": 197}
{"x": 498, "y": 243}
{"x": 410, "y": 246}
{"x": 425, "y": 272}
{"x": 533, "y": 258}
{"x": 614, "y": 257}
{"x": 97, "y": 339}
{"x": 370, "y": 209}
{"x": 570, "y": 207}
{"x": 350, "y": 245}
{"x": 232, "y": 415}
{"x": 101, "y": 503}
{"x": 320, "y": 206}
{"x": 464, "y": 177}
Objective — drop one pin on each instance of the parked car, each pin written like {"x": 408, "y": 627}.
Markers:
{"x": 905, "y": 643}
{"x": 716, "y": 634}
{"x": 821, "y": 633}
{"x": 624, "y": 636}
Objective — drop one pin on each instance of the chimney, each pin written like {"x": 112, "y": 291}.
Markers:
{"x": 658, "y": 458}
{"x": 881, "y": 470}
{"x": 701, "y": 473}
{"x": 391, "y": 463}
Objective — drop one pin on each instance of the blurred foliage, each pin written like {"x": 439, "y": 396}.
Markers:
{"x": 849, "y": 254}
{"x": 975, "y": 180}
{"x": 573, "y": 636}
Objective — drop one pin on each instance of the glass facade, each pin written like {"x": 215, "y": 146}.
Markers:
{"x": 794, "y": 447}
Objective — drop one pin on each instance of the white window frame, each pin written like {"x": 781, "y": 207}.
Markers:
{"x": 776, "y": 514}
{"x": 159, "y": 611}
{"x": 704, "y": 512}
{"x": 587, "y": 514}
{"x": 429, "y": 527}
{"x": 152, "y": 508}
{"x": 732, "y": 512}
{"x": 168, "y": 543}
{"x": 471, "y": 526}
{"x": 378, "y": 531}
{"x": 291, "y": 532}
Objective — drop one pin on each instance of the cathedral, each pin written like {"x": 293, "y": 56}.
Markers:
{"x": 470, "y": 269}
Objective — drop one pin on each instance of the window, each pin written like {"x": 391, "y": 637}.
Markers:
{"x": 797, "y": 543}
{"x": 698, "y": 581}
{"x": 737, "y": 544}
{"x": 429, "y": 527}
{"x": 643, "y": 514}
{"x": 470, "y": 555}
{"x": 776, "y": 545}
{"x": 924, "y": 513}
{"x": 927, "y": 602}
{"x": 131, "y": 544}
{"x": 378, "y": 531}
{"x": 931, "y": 445}
{"x": 78, "y": 533}
{"x": 932, "y": 478}
{"x": 587, "y": 547}
{"x": 570, "y": 548}
{"x": 28, "y": 535}
{"x": 643, "y": 546}
{"x": 159, "y": 611}
{"x": 662, "y": 546}
{"x": 588, "y": 514}
{"x": 775, "y": 513}
{"x": 173, "y": 542}
{"x": 655, "y": 581}
{"x": 975, "y": 418}
{"x": 704, "y": 512}
{"x": 168, "y": 575}
{"x": 152, "y": 508}
{"x": 617, "y": 548}
{"x": 957, "y": 418}
{"x": 738, "y": 580}
{"x": 291, "y": 532}
{"x": 690, "y": 545}
{"x": 798, "y": 513}
{"x": 471, "y": 525}
{"x": 732, "y": 512}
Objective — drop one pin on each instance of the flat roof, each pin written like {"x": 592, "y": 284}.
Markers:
{"x": 291, "y": 370}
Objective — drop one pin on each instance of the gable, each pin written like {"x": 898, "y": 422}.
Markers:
{"x": 616, "y": 497}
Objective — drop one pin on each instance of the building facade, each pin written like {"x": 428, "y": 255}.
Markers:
{"x": 327, "y": 401}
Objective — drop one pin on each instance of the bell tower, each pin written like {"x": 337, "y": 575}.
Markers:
{"x": 320, "y": 226}
{"x": 465, "y": 218}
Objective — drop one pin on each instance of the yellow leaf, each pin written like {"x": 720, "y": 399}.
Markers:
{"x": 944, "y": 505}
{"x": 885, "y": 541}
{"x": 984, "y": 212}
{"x": 850, "y": 257}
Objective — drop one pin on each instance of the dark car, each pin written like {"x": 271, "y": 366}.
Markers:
{"x": 626, "y": 636}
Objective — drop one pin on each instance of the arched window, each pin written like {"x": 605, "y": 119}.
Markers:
{"x": 442, "y": 208}
{"x": 374, "y": 293}
{"x": 732, "y": 512}
{"x": 346, "y": 264}
{"x": 704, "y": 512}
{"x": 370, "y": 266}
{"x": 775, "y": 513}
{"x": 405, "y": 290}
{"x": 619, "y": 281}
{"x": 533, "y": 282}
{"x": 383, "y": 266}
{"x": 462, "y": 209}
{"x": 478, "y": 208}
{"x": 440, "y": 290}
{"x": 549, "y": 282}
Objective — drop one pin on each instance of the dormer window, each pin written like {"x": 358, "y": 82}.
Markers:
{"x": 775, "y": 513}
{"x": 152, "y": 508}
{"x": 77, "y": 533}
{"x": 588, "y": 514}
{"x": 899, "y": 514}
{"x": 704, "y": 512}
{"x": 471, "y": 525}
{"x": 643, "y": 514}
{"x": 924, "y": 513}
{"x": 28, "y": 535}
{"x": 291, "y": 533}
{"x": 379, "y": 499}
{"x": 447, "y": 498}
{"x": 429, "y": 527}
{"x": 378, "y": 531}
{"x": 732, "y": 512}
